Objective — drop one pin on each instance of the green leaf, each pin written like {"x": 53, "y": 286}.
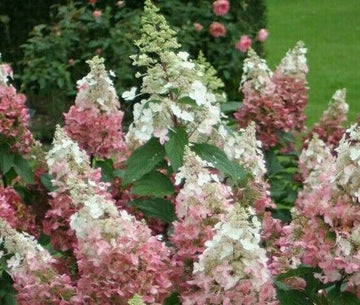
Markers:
{"x": 158, "y": 208}
{"x": 293, "y": 297}
{"x": 300, "y": 271}
{"x": 230, "y": 107}
{"x": 173, "y": 299}
{"x": 107, "y": 169}
{"x": 338, "y": 297}
{"x": 220, "y": 161}
{"x": 187, "y": 100}
{"x": 46, "y": 181}
{"x": 23, "y": 169}
{"x": 153, "y": 183}
{"x": 174, "y": 148}
{"x": 6, "y": 159}
{"x": 143, "y": 160}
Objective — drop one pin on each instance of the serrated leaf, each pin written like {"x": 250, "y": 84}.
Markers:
{"x": 143, "y": 160}
{"x": 174, "y": 148}
{"x": 6, "y": 159}
{"x": 220, "y": 161}
{"x": 158, "y": 208}
{"x": 338, "y": 297}
{"x": 23, "y": 169}
{"x": 153, "y": 183}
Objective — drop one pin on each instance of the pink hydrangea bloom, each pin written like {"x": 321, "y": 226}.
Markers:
{"x": 32, "y": 268}
{"x": 275, "y": 102}
{"x": 95, "y": 120}
{"x": 244, "y": 43}
{"x": 325, "y": 230}
{"x": 200, "y": 204}
{"x": 217, "y": 29}
{"x": 221, "y": 7}
{"x": 330, "y": 128}
{"x": 14, "y": 117}
{"x": 15, "y": 212}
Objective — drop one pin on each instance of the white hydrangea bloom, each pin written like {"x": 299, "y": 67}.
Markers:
{"x": 256, "y": 74}
{"x": 314, "y": 161}
{"x": 97, "y": 88}
{"x": 236, "y": 244}
{"x": 244, "y": 149}
{"x": 348, "y": 162}
{"x": 22, "y": 247}
{"x": 66, "y": 158}
{"x": 294, "y": 63}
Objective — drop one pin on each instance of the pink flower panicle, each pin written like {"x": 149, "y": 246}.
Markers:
{"x": 330, "y": 128}
{"x": 14, "y": 117}
{"x": 201, "y": 203}
{"x": 95, "y": 120}
{"x": 221, "y": 7}
{"x": 116, "y": 255}
{"x": 32, "y": 268}
{"x": 275, "y": 102}
{"x": 18, "y": 215}
{"x": 325, "y": 228}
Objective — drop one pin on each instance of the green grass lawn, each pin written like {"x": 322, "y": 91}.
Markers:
{"x": 330, "y": 30}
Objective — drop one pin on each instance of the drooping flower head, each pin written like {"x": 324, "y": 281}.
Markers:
{"x": 95, "y": 121}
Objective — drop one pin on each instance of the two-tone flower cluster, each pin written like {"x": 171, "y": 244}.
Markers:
{"x": 95, "y": 121}
{"x": 116, "y": 255}
{"x": 324, "y": 232}
{"x": 274, "y": 101}
{"x": 33, "y": 270}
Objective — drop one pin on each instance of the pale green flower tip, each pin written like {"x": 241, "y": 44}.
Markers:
{"x": 136, "y": 300}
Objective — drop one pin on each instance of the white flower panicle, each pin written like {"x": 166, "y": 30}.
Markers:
{"x": 315, "y": 160}
{"x": 256, "y": 74}
{"x": 23, "y": 247}
{"x": 337, "y": 106}
{"x": 348, "y": 162}
{"x": 97, "y": 88}
{"x": 294, "y": 64}
{"x": 65, "y": 158}
{"x": 236, "y": 245}
{"x": 244, "y": 149}
{"x": 175, "y": 84}
{"x": 5, "y": 73}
